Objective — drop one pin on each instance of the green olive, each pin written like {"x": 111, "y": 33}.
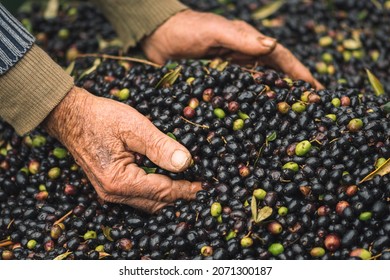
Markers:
{"x": 219, "y": 113}
{"x": 31, "y": 244}
{"x": 38, "y": 141}
{"x": 238, "y": 124}
{"x": 317, "y": 252}
{"x": 333, "y": 117}
{"x": 302, "y": 148}
{"x": 216, "y": 209}
{"x": 91, "y": 234}
{"x": 54, "y": 173}
{"x": 355, "y": 125}
{"x": 123, "y": 94}
{"x": 59, "y": 153}
{"x": 291, "y": 165}
{"x": 361, "y": 253}
{"x": 283, "y": 211}
{"x": 246, "y": 242}
{"x": 336, "y": 102}
{"x": 259, "y": 194}
{"x": 276, "y": 249}
{"x": 365, "y": 216}
{"x": 298, "y": 107}
{"x": 206, "y": 251}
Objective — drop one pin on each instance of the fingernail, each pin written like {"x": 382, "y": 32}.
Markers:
{"x": 180, "y": 159}
{"x": 268, "y": 42}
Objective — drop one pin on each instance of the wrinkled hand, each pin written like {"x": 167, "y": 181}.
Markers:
{"x": 190, "y": 34}
{"x": 103, "y": 135}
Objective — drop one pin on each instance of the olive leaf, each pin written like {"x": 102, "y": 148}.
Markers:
{"x": 259, "y": 153}
{"x": 259, "y": 215}
{"x": 70, "y": 68}
{"x": 149, "y": 170}
{"x": 263, "y": 213}
{"x": 375, "y": 83}
{"x": 205, "y": 61}
{"x": 170, "y": 134}
{"x": 254, "y": 208}
{"x": 243, "y": 115}
{"x": 215, "y": 63}
{"x": 103, "y": 255}
{"x": 51, "y": 9}
{"x": 382, "y": 170}
{"x": 95, "y": 65}
{"x": 267, "y": 10}
{"x": 107, "y": 233}
{"x": 172, "y": 65}
{"x": 270, "y": 137}
{"x": 63, "y": 256}
{"x": 377, "y": 4}
{"x": 222, "y": 66}
{"x": 386, "y": 107}
{"x": 232, "y": 234}
{"x": 25, "y": 7}
{"x": 169, "y": 78}
{"x": 362, "y": 15}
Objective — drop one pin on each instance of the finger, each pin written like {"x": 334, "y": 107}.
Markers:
{"x": 249, "y": 60}
{"x": 282, "y": 59}
{"x": 218, "y": 52}
{"x": 146, "y": 205}
{"x": 146, "y": 139}
{"x": 244, "y": 38}
{"x": 318, "y": 85}
{"x": 136, "y": 183}
{"x": 125, "y": 182}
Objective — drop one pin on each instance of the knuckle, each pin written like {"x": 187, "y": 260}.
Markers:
{"x": 240, "y": 25}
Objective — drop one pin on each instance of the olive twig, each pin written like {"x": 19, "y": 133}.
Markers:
{"x": 63, "y": 217}
{"x": 10, "y": 223}
{"x": 6, "y": 243}
{"x": 380, "y": 254}
{"x": 195, "y": 124}
{"x": 123, "y": 58}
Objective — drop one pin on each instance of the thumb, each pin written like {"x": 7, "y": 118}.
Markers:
{"x": 166, "y": 152}
{"x": 146, "y": 139}
{"x": 244, "y": 38}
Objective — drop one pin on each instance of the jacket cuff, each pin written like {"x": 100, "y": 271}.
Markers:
{"x": 31, "y": 89}
{"x": 134, "y": 19}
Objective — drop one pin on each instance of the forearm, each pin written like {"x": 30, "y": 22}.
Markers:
{"x": 32, "y": 84}
{"x": 133, "y": 19}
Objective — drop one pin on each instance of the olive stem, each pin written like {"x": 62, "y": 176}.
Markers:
{"x": 63, "y": 217}
{"x": 195, "y": 124}
{"x": 380, "y": 254}
{"x": 251, "y": 70}
{"x": 6, "y": 243}
{"x": 124, "y": 58}
{"x": 10, "y": 223}
{"x": 316, "y": 141}
{"x": 259, "y": 154}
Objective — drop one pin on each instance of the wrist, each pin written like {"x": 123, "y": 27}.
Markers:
{"x": 63, "y": 121}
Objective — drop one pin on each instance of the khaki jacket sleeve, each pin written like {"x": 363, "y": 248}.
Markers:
{"x": 135, "y": 19}
{"x": 31, "y": 89}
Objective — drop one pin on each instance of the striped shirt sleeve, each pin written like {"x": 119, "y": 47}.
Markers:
{"x": 15, "y": 40}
